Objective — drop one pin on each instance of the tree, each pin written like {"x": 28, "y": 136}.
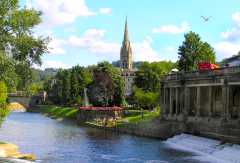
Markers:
{"x": 145, "y": 100}
{"x": 66, "y": 87}
{"x": 193, "y": 51}
{"x": 149, "y": 74}
{"x": 32, "y": 89}
{"x": 80, "y": 79}
{"x": 107, "y": 88}
{"x": 7, "y": 72}
{"x": 25, "y": 75}
{"x": 16, "y": 30}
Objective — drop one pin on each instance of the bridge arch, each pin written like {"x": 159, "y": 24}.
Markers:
{"x": 26, "y": 101}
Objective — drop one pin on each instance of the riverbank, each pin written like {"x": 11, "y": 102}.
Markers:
{"x": 11, "y": 151}
{"x": 133, "y": 121}
{"x": 56, "y": 112}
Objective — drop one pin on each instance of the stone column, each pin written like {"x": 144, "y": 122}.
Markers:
{"x": 186, "y": 102}
{"x": 176, "y": 92}
{"x": 162, "y": 102}
{"x": 163, "y": 107}
{"x": 198, "y": 101}
{"x": 170, "y": 101}
{"x": 225, "y": 101}
{"x": 210, "y": 94}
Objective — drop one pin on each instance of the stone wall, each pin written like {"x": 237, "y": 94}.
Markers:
{"x": 93, "y": 115}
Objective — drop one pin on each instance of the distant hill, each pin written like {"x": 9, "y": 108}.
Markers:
{"x": 41, "y": 75}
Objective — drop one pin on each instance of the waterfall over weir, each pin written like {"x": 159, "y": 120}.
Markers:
{"x": 208, "y": 149}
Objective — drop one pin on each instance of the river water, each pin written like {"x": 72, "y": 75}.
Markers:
{"x": 64, "y": 142}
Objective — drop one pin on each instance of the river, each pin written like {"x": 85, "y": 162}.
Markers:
{"x": 64, "y": 142}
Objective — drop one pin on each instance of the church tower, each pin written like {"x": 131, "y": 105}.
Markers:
{"x": 126, "y": 51}
{"x": 128, "y": 73}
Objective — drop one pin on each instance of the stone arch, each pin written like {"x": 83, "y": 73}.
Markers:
{"x": 24, "y": 101}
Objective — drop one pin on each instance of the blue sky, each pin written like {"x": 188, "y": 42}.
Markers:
{"x": 86, "y": 32}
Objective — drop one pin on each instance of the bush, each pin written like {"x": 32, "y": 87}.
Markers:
{"x": 3, "y": 98}
{"x": 3, "y": 93}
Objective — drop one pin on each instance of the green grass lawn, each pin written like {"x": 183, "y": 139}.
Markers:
{"x": 135, "y": 117}
{"x": 59, "y": 112}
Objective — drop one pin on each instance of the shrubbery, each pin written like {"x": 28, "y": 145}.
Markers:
{"x": 3, "y": 98}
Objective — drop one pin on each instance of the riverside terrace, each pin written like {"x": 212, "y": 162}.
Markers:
{"x": 207, "y": 103}
{"x": 90, "y": 113}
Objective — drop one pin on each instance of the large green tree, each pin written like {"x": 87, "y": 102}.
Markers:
{"x": 16, "y": 30}
{"x": 192, "y": 51}
{"x": 107, "y": 88}
{"x": 80, "y": 79}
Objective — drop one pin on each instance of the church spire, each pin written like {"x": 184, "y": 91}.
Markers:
{"x": 126, "y": 50}
{"x": 126, "y": 31}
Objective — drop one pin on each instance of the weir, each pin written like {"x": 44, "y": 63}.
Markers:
{"x": 208, "y": 149}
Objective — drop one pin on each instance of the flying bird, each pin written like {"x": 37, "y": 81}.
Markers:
{"x": 206, "y": 18}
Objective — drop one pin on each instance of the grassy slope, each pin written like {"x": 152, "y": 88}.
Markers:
{"x": 134, "y": 118}
{"x": 58, "y": 112}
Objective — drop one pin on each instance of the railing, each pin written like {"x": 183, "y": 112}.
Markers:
{"x": 197, "y": 74}
{"x": 18, "y": 94}
{"x": 92, "y": 108}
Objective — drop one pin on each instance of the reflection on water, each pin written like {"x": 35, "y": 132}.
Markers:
{"x": 63, "y": 142}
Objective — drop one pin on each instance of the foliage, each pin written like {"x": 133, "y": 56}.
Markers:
{"x": 193, "y": 51}
{"x": 16, "y": 30}
{"x": 67, "y": 87}
{"x": 25, "y": 75}
{"x": 3, "y": 93}
{"x": 33, "y": 89}
{"x": 3, "y": 98}
{"x": 149, "y": 74}
{"x": 7, "y": 72}
{"x": 146, "y": 100}
{"x": 107, "y": 88}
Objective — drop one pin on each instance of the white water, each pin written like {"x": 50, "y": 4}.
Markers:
{"x": 86, "y": 100}
{"x": 207, "y": 149}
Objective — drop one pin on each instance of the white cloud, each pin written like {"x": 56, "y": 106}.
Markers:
{"x": 172, "y": 29}
{"x": 143, "y": 51}
{"x": 226, "y": 49}
{"x": 233, "y": 34}
{"x": 93, "y": 41}
{"x": 56, "y": 46}
{"x": 105, "y": 11}
{"x": 58, "y": 12}
{"x": 236, "y": 18}
{"x": 231, "y": 44}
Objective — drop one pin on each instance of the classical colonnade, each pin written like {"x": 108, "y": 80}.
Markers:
{"x": 201, "y": 100}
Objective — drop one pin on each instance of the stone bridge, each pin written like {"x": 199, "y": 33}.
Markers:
{"x": 25, "y": 100}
